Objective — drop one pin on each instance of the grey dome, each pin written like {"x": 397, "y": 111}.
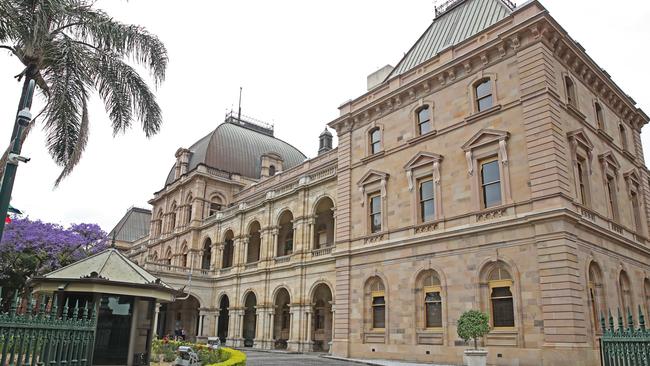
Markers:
{"x": 238, "y": 148}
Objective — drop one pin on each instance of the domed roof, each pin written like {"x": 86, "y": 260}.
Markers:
{"x": 237, "y": 146}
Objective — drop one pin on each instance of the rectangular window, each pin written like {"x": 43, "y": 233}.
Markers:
{"x": 378, "y": 310}
{"x": 582, "y": 179}
{"x": 427, "y": 206}
{"x": 611, "y": 193}
{"x": 375, "y": 213}
{"x": 433, "y": 307}
{"x": 490, "y": 183}
{"x": 503, "y": 314}
{"x": 484, "y": 95}
{"x": 375, "y": 141}
{"x": 424, "y": 121}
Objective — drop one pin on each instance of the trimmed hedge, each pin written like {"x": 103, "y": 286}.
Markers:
{"x": 208, "y": 356}
{"x": 231, "y": 357}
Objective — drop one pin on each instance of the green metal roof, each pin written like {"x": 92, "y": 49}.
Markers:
{"x": 459, "y": 22}
{"x": 133, "y": 226}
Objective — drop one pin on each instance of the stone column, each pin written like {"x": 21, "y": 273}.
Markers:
{"x": 293, "y": 344}
{"x": 156, "y": 315}
{"x": 201, "y": 317}
{"x": 257, "y": 343}
{"x": 269, "y": 328}
{"x": 245, "y": 241}
{"x": 232, "y": 332}
{"x": 309, "y": 346}
{"x": 312, "y": 233}
{"x": 274, "y": 246}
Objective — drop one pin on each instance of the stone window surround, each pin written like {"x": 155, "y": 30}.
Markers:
{"x": 610, "y": 168}
{"x": 368, "y": 141}
{"x": 371, "y": 183}
{"x": 484, "y": 144}
{"x": 471, "y": 91}
{"x": 625, "y": 297}
{"x": 581, "y": 148}
{"x": 600, "y": 125}
{"x": 422, "y": 165}
{"x": 565, "y": 90}
{"x": 633, "y": 183}
{"x": 419, "y": 290}
{"x": 370, "y": 334}
{"x": 487, "y": 267}
{"x": 415, "y": 118}
{"x": 598, "y": 285}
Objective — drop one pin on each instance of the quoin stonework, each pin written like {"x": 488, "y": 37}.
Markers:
{"x": 496, "y": 167}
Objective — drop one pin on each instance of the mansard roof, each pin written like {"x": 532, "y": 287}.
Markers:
{"x": 236, "y": 146}
{"x": 462, "y": 20}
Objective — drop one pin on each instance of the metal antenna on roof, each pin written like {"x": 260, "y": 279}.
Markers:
{"x": 239, "y": 113}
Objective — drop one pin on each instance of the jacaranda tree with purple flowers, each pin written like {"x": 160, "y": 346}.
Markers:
{"x": 31, "y": 248}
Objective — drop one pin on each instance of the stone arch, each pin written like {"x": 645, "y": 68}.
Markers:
{"x": 249, "y": 323}
{"x": 223, "y": 305}
{"x": 206, "y": 254}
{"x": 245, "y": 293}
{"x": 183, "y": 313}
{"x": 285, "y": 236}
{"x": 324, "y": 222}
{"x": 228, "y": 251}
{"x": 430, "y": 299}
{"x": 376, "y": 301}
{"x": 499, "y": 293}
{"x": 254, "y": 235}
{"x": 320, "y": 281}
{"x": 321, "y": 298}
{"x": 626, "y": 295}
{"x": 184, "y": 254}
{"x": 282, "y": 319}
{"x": 596, "y": 297}
{"x": 169, "y": 256}
{"x": 471, "y": 88}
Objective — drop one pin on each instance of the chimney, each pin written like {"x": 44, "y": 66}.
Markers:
{"x": 182, "y": 162}
{"x": 325, "y": 142}
{"x": 378, "y": 77}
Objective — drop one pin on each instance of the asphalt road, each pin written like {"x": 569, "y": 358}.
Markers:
{"x": 254, "y": 358}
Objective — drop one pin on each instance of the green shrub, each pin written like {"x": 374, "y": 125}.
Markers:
{"x": 231, "y": 357}
{"x": 473, "y": 324}
{"x": 208, "y": 356}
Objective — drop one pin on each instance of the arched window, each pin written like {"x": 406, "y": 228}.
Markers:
{"x": 377, "y": 299}
{"x": 623, "y": 133}
{"x": 424, "y": 120}
{"x": 228, "y": 250}
{"x": 254, "y": 241}
{"x": 600, "y": 121}
{"x": 375, "y": 140}
{"x": 626, "y": 294}
{"x": 154, "y": 257}
{"x": 483, "y": 93}
{"x": 570, "y": 91}
{"x": 188, "y": 209}
{"x": 429, "y": 293}
{"x": 206, "y": 258}
{"x": 172, "y": 217}
{"x": 157, "y": 227}
{"x": 184, "y": 254}
{"x": 285, "y": 234}
{"x": 168, "y": 257}
{"x": 501, "y": 300}
{"x": 324, "y": 224}
{"x": 215, "y": 205}
{"x": 271, "y": 170}
{"x": 596, "y": 295}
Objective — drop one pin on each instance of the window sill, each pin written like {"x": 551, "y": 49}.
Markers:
{"x": 492, "y": 212}
{"x": 605, "y": 135}
{"x": 372, "y": 157}
{"x": 478, "y": 115}
{"x": 421, "y": 138}
{"x": 427, "y": 226}
{"x": 575, "y": 112}
{"x": 375, "y": 237}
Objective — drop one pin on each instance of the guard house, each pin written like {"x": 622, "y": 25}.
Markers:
{"x": 125, "y": 298}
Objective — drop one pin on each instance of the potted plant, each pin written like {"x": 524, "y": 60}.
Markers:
{"x": 474, "y": 324}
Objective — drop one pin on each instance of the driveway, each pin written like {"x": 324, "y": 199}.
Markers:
{"x": 255, "y": 358}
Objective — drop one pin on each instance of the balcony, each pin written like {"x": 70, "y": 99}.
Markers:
{"x": 168, "y": 268}
{"x": 321, "y": 251}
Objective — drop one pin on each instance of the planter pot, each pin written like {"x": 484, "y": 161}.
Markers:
{"x": 475, "y": 357}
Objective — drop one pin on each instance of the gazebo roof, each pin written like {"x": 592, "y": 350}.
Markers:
{"x": 108, "y": 271}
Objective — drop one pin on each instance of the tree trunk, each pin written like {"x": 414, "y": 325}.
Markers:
{"x": 475, "y": 344}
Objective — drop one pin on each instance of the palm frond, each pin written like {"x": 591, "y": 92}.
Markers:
{"x": 126, "y": 40}
{"x": 78, "y": 148}
{"x": 125, "y": 92}
{"x": 69, "y": 80}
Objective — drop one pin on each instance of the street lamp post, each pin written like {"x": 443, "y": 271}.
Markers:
{"x": 22, "y": 120}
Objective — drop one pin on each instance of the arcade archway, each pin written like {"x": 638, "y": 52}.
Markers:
{"x": 321, "y": 323}
{"x": 178, "y": 317}
{"x": 222, "y": 322}
{"x": 250, "y": 320}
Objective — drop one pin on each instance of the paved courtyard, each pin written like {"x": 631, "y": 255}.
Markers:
{"x": 254, "y": 358}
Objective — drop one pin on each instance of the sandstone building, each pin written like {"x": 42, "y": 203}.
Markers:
{"x": 496, "y": 167}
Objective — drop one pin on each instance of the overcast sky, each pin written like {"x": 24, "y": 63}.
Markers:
{"x": 297, "y": 62}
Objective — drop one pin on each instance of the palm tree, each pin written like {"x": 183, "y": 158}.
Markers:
{"x": 71, "y": 50}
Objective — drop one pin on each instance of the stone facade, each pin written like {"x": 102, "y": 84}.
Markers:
{"x": 567, "y": 238}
